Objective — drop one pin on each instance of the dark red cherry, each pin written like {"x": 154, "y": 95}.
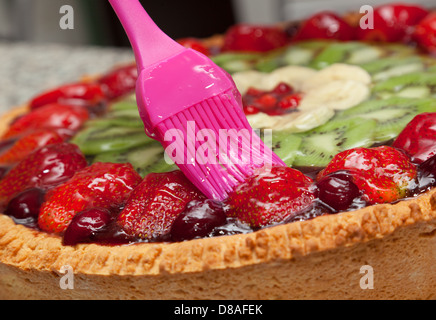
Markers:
{"x": 338, "y": 190}
{"x": 199, "y": 219}
{"x": 85, "y": 225}
{"x": 25, "y": 204}
{"x": 426, "y": 174}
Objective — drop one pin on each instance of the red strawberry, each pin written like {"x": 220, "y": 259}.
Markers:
{"x": 245, "y": 37}
{"x": 325, "y": 25}
{"x": 425, "y": 33}
{"x": 119, "y": 82}
{"x": 382, "y": 173}
{"x": 271, "y": 196}
{"x": 52, "y": 116}
{"x": 80, "y": 93}
{"x": 28, "y": 143}
{"x": 44, "y": 168}
{"x": 195, "y": 44}
{"x": 101, "y": 185}
{"x": 154, "y": 205}
{"x": 418, "y": 138}
{"x": 393, "y": 22}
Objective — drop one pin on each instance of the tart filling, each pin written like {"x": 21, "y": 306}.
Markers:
{"x": 354, "y": 121}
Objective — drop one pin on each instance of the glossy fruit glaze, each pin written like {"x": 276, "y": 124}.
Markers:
{"x": 352, "y": 180}
{"x": 278, "y": 101}
{"x": 202, "y": 217}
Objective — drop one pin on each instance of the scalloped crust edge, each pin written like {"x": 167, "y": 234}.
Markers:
{"x": 315, "y": 259}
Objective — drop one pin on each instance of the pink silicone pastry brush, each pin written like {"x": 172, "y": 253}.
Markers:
{"x": 192, "y": 107}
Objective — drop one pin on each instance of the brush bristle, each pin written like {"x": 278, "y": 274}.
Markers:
{"x": 214, "y": 145}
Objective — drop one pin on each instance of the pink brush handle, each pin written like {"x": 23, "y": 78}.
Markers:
{"x": 149, "y": 43}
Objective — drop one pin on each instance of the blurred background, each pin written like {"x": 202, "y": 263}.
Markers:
{"x": 96, "y": 24}
{"x": 36, "y": 54}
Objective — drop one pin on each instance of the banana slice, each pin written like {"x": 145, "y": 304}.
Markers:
{"x": 305, "y": 120}
{"x": 246, "y": 79}
{"x": 292, "y": 75}
{"x": 335, "y": 95}
{"x": 298, "y": 121}
{"x": 337, "y": 87}
{"x": 263, "y": 121}
{"x": 337, "y": 71}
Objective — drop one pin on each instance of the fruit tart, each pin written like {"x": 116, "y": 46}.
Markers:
{"x": 93, "y": 209}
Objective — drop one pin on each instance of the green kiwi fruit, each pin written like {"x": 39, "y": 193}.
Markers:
{"x": 364, "y": 54}
{"x": 128, "y": 103}
{"x": 297, "y": 55}
{"x": 391, "y": 114}
{"x": 117, "y": 121}
{"x": 412, "y": 85}
{"x": 388, "y": 67}
{"x": 144, "y": 159}
{"x": 335, "y": 53}
{"x": 319, "y": 145}
{"x": 94, "y": 140}
{"x": 286, "y": 145}
{"x": 236, "y": 62}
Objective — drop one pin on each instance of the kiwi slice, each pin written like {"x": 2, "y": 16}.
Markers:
{"x": 145, "y": 159}
{"x": 286, "y": 145}
{"x": 315, "y": 45}
{"x": 365, "y": 54}
{"x": 235, "y": 62}
{"x": 391, "y": 114}
{"x": 95, "y": 140}
{"x": 128, "y": 103}
{"x": 388, "y": 67}
{"x": 335, "y": 53}
{"x": 319, "y": 145}
{"x": 413, "y": 85}
{"x": 117, "y": 121}
{"x": 297, "y": 55}
{"x": 271, "y": 61}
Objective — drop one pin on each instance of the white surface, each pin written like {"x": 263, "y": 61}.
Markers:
{"x": 27, "y": 70}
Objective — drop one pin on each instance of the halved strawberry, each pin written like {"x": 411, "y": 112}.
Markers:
{"x": 425, "y": 33}
{"x": 29, "y": 143}
{"x": 418, "y": 138}
{"x": 44, "y": 168}
{"x": 256, "y": 38}
{"x": 271, "y": 196}
{"x": 325, "y": 25}
{"x": 383, "y": 173}
{"x": 67, "y": 118}
{"x": 393, "y": 22}
{"x": 154, "y": 205}
{"x": 119, "y": 82}
{"x": 79, "y": 93}
{"x": 101, "y": 185}
{"x": 196, "y": 44}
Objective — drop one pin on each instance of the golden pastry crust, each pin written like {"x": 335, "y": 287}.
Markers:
{"x": 314, "y": 259}
{"x": 177, "y": 270}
